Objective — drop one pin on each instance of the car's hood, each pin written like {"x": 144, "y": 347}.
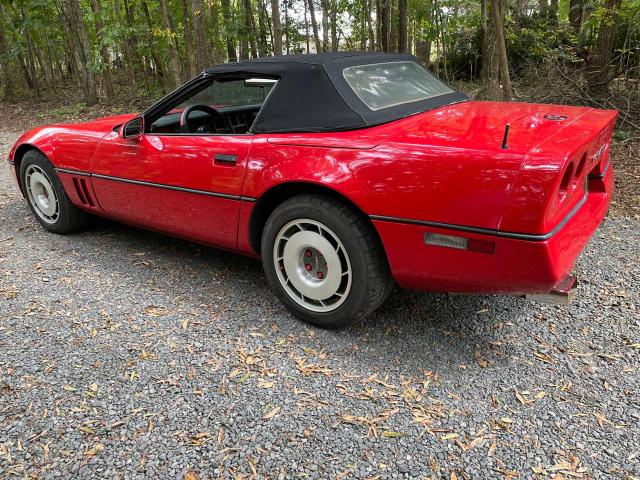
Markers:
{"x": 477, "y": 125}
{"x": 99, "y": 125}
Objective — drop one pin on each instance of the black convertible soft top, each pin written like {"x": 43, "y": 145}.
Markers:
{"x": 312, "y": 94}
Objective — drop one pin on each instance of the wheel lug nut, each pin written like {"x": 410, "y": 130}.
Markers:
{"x": 307, "y": 266}
{"x": 320, "y": 275}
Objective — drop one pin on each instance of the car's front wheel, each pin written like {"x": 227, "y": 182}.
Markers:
{"x": 46, "y": 196}
{"x": 324, "y": 261}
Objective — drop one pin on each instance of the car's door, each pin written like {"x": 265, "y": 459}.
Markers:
{"x": 184, "y": 183}
{"x": 173, "y": 184}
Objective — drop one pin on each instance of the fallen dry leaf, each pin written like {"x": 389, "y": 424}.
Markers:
{"x": 154, "y": 311}
{"x": 272, "y": 413}
{"x": 190, "y": 475}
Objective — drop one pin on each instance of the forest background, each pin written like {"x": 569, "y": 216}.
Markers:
{"x": 77, "y": 59}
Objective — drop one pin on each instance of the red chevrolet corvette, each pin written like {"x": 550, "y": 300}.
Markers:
{"x": 345, "y": 173}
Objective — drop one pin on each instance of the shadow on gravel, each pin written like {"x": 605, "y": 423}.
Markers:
{"x": 420, "y": 328}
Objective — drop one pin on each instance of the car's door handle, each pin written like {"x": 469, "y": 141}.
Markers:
{"x": 225, "y": 159}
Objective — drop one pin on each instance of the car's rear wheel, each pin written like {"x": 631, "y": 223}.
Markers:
{"x": 46, "y": 196}
{"x": 324, "y": 261}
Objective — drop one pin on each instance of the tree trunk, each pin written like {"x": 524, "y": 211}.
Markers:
{"x": 489, "y": 72}
{"x": 5, "y": 65}
{"x": 575, "y": 14}
{"x": 287, "y": 44}
{"x": 201, "y": 41}
{"x": 503, "y": 63}
{"x": 228, "y": 29}
{"x": 306, "y": 26}
{"x": 43, "y": 67}
{"x": 402, "y": 26}
{"x": 277, "y": 28}
{"x": 157, "y": 64}
{"x": 385, "y": 15}
{"x": 378, "y": 46}
{"x": 133, "y": 38}
{"x": 552, "y": 12}
{"x": 363, "y": 26}
{"x": 372, "y": 38}
{"x": 25, "y": 70}
{"x": 243, "y": 35}
{"x": 334, "y": 25}
{"x": 263, "y": 27}
{"x": 393, "y": 26}
{"x": 50, "y": 60}
{"x": 174, "y": 61}
{"x": 325, "y": 25}
{"x": 104, "y": 53}
{"x": 126, "y": 46}
{"x": 543, "y": 5}
{"x": 72, "y": 70}
{"x": 599, "y": 75}
{"x": 190, "y": 58}
{"x": 250, "y": 28}
{"x": 215, "y": 30}
{"x": 314, "y": 26}
{"x": 79, "y": 30}
{"x": 30, "y": 60}
{"x": 423, "y": 45}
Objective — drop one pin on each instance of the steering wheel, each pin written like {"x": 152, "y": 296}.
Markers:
{"x": 215, "y": 116}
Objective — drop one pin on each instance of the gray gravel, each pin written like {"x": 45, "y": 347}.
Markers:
{"x": 126, "y": 354}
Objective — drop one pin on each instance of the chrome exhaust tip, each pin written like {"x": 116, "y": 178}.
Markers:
{"x": 562, "y": 292}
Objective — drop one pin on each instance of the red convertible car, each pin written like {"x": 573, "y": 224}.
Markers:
{"x": 346, "y": 173}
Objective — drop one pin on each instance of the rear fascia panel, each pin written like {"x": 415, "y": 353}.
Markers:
{"x": 516, "y": 266}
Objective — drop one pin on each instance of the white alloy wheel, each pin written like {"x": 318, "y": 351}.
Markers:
{"x": 312, "y": 265}
{"x": 41, "y": 194}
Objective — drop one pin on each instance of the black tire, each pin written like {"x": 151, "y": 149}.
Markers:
{"x": 68, "y": 218}
{"x": 371, "y": 279}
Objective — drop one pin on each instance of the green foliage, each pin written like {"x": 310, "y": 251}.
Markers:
{"x": 39, "y": 48}
{"x": 621, "y": 135}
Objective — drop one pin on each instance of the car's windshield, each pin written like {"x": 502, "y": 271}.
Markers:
{"x": 383, "y": 85}
{"x": 231, "y": 93}
{"x": 226, "y": 106}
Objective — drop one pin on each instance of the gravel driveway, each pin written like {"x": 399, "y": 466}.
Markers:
{"x": 127, "y": 354}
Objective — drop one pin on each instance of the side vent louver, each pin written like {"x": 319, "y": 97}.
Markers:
{"x": 83, "y": 191}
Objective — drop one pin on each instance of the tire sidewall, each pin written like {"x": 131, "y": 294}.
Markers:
{"x": 34, "y": 157}
{"x": 355, "y": 250}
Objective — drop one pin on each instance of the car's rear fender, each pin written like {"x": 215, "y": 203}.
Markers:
{"x": 262, "y": 208}
{"x": 276, "y": 172}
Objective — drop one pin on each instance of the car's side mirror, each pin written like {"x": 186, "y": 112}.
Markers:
{"x": 133, "y": 128}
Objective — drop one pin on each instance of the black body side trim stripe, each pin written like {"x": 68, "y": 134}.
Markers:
{"x": 487, "y": 231}
{"x": 73, "y": 172}
{"x": 157, "y": 185}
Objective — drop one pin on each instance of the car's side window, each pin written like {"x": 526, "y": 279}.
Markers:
{"x": 222, "y": 106}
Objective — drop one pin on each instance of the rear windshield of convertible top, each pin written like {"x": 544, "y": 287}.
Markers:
{"x": 383, "y": 85}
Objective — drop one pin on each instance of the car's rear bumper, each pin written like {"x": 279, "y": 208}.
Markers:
{"x": 516, "y": 265}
